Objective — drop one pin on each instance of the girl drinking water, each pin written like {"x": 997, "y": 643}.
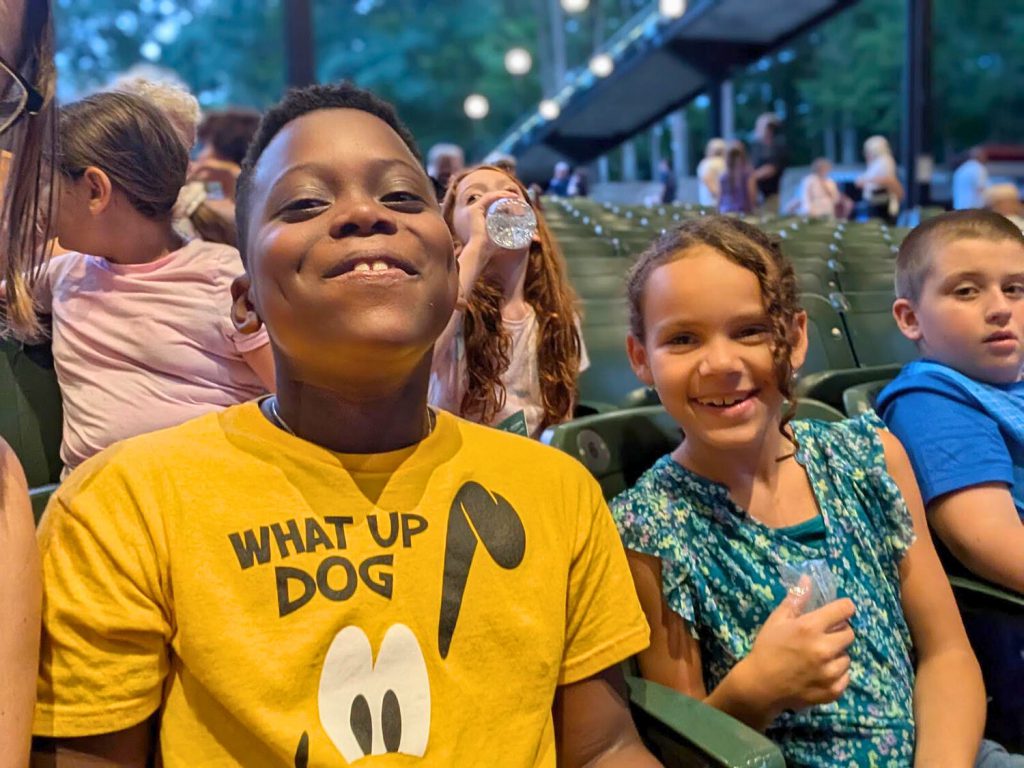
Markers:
{"x": 142, "y": 331}
{"x": 512, "y": 352}
{"x": 881, "y": 676}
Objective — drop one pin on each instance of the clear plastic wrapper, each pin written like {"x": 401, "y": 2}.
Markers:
{"x": 822, "y": 582}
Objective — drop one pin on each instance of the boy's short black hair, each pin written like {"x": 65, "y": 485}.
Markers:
{"x": 916, "y": 252}
{"x": 296, "y": 103}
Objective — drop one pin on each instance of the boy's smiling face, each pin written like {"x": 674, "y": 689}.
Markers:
{"x": 350, "y": 260}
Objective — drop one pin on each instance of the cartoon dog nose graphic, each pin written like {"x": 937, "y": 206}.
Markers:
{"x": 373, "y": 709}
{"x": 475, "y": 512}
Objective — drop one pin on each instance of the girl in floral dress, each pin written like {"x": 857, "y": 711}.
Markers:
{"x": 883, "y": 675}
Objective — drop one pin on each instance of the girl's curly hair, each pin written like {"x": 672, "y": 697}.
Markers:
{"x": 750, "y": 248}
{"x": 489, "y": 346}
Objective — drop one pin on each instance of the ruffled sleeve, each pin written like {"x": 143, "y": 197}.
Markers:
{"x": 860, "y": 446}
{"x": 652, "y": 521}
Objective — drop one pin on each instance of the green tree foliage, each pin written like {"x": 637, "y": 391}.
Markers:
{"x": 427, "y": 55}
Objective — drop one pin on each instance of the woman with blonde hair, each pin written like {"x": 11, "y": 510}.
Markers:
{"x": 881, "y": 188}
{"x": 512, "y": 353}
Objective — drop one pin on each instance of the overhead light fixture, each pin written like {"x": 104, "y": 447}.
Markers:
{"x": 518, "y": 61}
{"x": 549, "y": 109}
{"x": 575, "y": 6}
{"x": 476, "y": 106}
{"x": 602, "y": 65}
{"x": 672, "y": 9}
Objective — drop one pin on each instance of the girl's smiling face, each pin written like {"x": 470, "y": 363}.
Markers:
{"x": 349, "y": 257}
{"x": 708, "y": 350}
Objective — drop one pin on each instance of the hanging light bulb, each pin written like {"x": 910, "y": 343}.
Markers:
{"x": 476, "y": 106}
{"x": 518, "y": 61}
{"x": 575, "y": 6}
{"x": 549, "y": 109}
{"x": 672, "y": 9}
{"x": 602, "y": 65}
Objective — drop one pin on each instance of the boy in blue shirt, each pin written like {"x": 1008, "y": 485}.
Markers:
{"x": 959, "y": 410}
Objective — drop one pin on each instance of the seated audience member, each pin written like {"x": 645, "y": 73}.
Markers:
{"x": 960, "y": 409}
{"x": 338, "y": 572}
{"x": 737, "y": 185}
{"x": 709, "y": 173}
{"x": 579, "y": 183}
{"x": 223, "y": 137}
{"x": 1004, "y": 199}
{"x": 819, "y": 195}
{"x": 142, "y": 333}
{"x": 667, "y": 179}
{"x": 868, "y": 664}
{"x": 443, "y": 162}
{"x": 512, "y": 352}
{"x": 881, "y": 188}
{"x": 559, "y": 184}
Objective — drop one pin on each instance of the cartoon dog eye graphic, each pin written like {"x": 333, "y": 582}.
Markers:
{"x": 369, "y": 708}
{"x": 475, "y": 513}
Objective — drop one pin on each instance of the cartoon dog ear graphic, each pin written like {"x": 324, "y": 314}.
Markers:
{"x": 475, "y": 512}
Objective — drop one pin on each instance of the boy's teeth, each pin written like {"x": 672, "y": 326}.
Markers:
{"x": 379, "y": 266}
{"x": 362, "y": 266}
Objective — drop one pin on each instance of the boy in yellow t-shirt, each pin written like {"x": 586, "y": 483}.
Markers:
{"x": 337, "y": 575}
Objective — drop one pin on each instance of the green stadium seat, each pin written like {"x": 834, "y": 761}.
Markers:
{"x": 31, "y": 416}
{"x": 828, "y": 346}
{"x": 682, "y": 731}
{"x": 598, "y": 265}
{"x": 867, "y": 281}
{"x": 874, "y": 335}
{"x": 609, "y": 379}
{"x": 831, "y": 386}
{"x": 605, "y": 311}
{"x": 610, "y": 286}
{"x": 861, "y": 398}
{"x": 586, "y": 247}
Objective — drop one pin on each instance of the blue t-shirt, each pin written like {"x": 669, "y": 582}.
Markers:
{"x": 958, "y": 432}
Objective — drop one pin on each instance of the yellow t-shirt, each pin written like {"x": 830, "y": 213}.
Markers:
{"x": 250, "y": 585}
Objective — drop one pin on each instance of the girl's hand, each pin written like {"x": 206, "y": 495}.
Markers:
{"x": 477, "y": 212}
{"x": 798, "y": 659}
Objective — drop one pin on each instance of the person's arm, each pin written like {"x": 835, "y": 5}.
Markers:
{"x": 711, "y": 181}
{"x": 983, "y": 530}
{"x": 129, "y": 748}
{"x": 949, "y": 697}
{"x": 20, "y": 596}
{"x": 594, "y": 727}
{"x": 261, "y": 360}
{"x": 223, "y": 172}
{"x": 805, "y": 194}
{"x": 752, "y": 189}
{"x": 473, "y": 258}
{"x": 796, "y": 661}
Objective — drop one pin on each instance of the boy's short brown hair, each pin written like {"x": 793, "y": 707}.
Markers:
{"x": 915, "y": 254}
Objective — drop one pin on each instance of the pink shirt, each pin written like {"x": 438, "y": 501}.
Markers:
{"x": 140, "y": 347}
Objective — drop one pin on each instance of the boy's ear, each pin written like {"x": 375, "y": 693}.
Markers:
{"x": 906, "y": 319}
{"x": 243, "y": 313}
{"x": 798, "y": 341}
{"x": 101, "y": 191}
{"x": 638, "y": 359}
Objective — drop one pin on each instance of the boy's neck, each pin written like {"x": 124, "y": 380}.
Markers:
{"x": 363, "y": 416}
{"x": 142, "y": 244}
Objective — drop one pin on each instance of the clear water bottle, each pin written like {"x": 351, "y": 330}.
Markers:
{"x": 511, "y": 223}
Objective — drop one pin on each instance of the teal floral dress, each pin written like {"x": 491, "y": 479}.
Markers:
{"x": 720, "y": 572}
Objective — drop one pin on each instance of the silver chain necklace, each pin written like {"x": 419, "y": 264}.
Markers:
{"x": 275, "y": 416}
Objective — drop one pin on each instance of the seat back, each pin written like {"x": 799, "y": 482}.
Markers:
{"x": 873, "y": 333}
{"x": 31, "y": 416}
{"x": 609, "y": 379}
{"x": 828, "y": 346}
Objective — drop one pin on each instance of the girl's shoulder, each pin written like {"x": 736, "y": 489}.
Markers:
{"x": 666, "y": 502}
{"x": 856, "y": 442}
